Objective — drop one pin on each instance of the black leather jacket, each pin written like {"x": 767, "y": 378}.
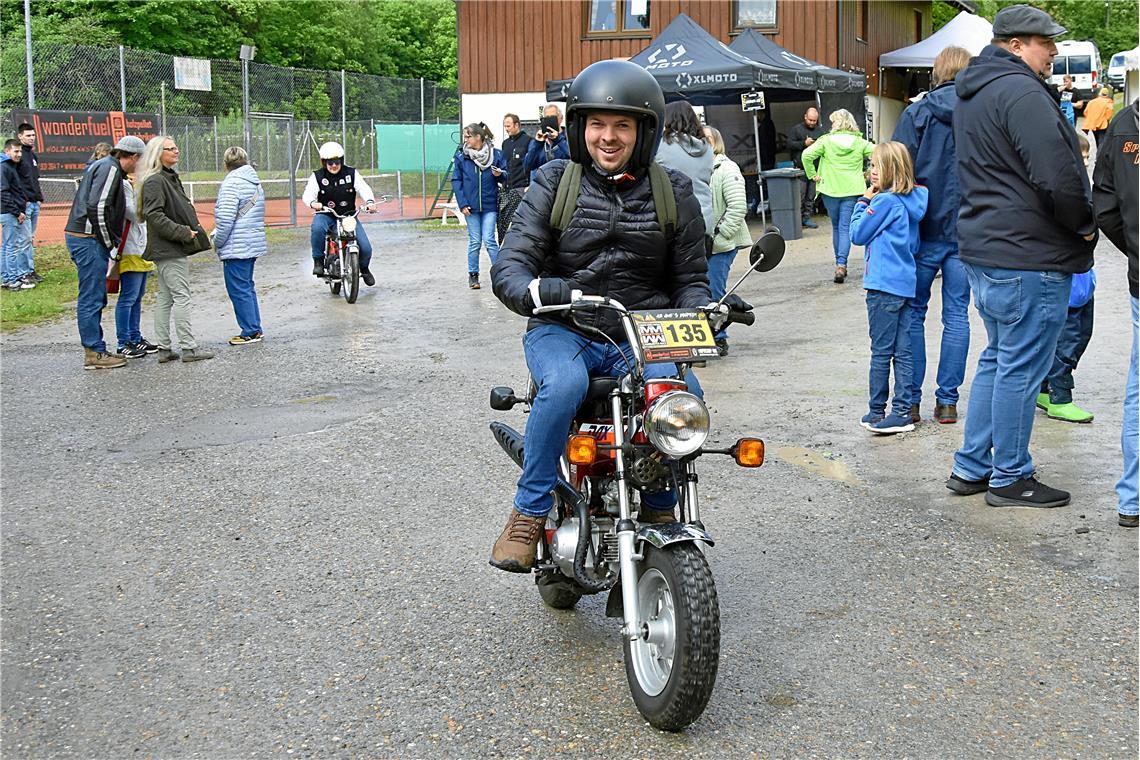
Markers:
{"x": 613, "y": 246}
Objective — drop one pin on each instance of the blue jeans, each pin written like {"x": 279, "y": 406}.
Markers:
{"x": 839, "y": 209}
{"x": 321, "y": 225}
{"x": 1023, "y": 312}
{"x": 931, "y": 258}
{"x": 1071, "y": 344}
{"x": 889, "y": 319}
{"x": 128, "y": 307}
{"x": 91, "y": 261}
{"x": 481, "y": 230}
{"x": 562, "y": 363}
{"x": 719, "y": 266}
{"x": 15, "y": 240}
{"x": 1126, "y": 492}
{"x": 31, "y": 221}
{"x": 238, "y": 274}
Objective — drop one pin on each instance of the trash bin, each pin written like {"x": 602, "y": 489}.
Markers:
{"x": 784, "y": 193}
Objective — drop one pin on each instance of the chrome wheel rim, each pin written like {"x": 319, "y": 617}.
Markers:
{"x": 653, "y": 661}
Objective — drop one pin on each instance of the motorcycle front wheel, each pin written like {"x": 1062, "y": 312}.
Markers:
{"x": 351, "y": 275}
{"x": 671, "y": 675}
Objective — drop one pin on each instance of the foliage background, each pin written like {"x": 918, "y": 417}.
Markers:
{"x": 1111, "y": 24}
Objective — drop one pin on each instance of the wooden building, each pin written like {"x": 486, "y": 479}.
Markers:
{"x": 509, "y": 49}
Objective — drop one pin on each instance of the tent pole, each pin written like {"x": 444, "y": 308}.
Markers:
{"x": 879, "y": 108}
{"x": 759, "y": 170}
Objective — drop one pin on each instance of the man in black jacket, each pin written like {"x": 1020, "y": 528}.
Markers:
{"x": 799, "y": 137}
{"x": 13, "y": 200}
{"x": 1025, "y": 226}
{"x": 29, "y": 167}
{"x": 515, "y": 147}
{"x": 613, "y": 245}
{"x": 94, "y": 229}
{"x": 1116, "y": 203}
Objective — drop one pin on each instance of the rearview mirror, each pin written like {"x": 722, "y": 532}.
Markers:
{"x": 768, "y": 251}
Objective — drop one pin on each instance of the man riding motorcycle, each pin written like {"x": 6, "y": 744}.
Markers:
{"x": 613, "y": 245}
{"x": 336, "y": 186}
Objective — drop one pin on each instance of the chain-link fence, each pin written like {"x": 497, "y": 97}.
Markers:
{"x": 291, "y": 112}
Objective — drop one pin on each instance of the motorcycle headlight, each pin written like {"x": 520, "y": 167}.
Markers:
{"x": 348, "y": 224}
{"x": 677, "y": 423}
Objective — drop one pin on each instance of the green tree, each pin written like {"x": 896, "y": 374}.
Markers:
{"x": 1111, "y": 24}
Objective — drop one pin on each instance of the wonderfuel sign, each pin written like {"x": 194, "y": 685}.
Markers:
{"x": 66, "y": 139}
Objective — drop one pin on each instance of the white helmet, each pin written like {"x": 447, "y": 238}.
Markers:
{"x": 331, "y": 150}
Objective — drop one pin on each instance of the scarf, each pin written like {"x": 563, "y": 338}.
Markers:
{"x": 481, "y": 157}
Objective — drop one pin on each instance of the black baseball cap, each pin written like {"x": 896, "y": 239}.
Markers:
{"x": 1019, "y": 20}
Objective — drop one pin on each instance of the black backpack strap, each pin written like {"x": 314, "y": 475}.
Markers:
{"x": 566, "y": 197}
{"x": 663, "y": 199}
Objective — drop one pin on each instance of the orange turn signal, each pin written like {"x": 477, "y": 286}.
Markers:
{"x": 582, "y": 449}
{"x": 749, "y": 452}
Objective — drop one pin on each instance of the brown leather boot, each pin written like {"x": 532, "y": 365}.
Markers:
{"x": 517, "y": 544}
{"x": 649, "y": 516}
{"x": 97, "y": 360}
{"x": 840, "y": 274}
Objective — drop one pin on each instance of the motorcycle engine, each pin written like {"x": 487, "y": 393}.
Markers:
{"x": 565, "y": 541}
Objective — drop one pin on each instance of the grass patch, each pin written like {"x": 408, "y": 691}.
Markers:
{"x": 49, "y": 299}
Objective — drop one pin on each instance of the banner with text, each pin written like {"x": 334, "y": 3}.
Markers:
{"x": 66, "y": 139}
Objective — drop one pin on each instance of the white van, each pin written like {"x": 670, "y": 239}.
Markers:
{"x": 1081, "y": 61}
{"x": 1116, "y": 69}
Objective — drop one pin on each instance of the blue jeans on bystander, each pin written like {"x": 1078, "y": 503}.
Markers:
{"x": 31, "y": 221}
{"x": 888, "y": 317}
{"x": 14, "y": 241}
{"x": 128, "y": 307}
{"x": 930, "y": 259}
{"x": 839, "y": 209}
{"x": 719, "y": 266}
{"x": 238, "y": 274}
{"x": 1071, "y": 344}
{"x": 481, "y": 231}
{"x": 1023, "y": 312}
{"x": 1126, "y": 487}
{"x": 91, "y": 260}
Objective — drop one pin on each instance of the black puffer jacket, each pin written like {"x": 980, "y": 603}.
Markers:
{"x": 613, "y": 246}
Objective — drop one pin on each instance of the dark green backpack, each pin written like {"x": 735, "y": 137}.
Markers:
{"x": 566, "y": 198}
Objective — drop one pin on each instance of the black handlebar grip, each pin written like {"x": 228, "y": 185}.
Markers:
{"x": 741, "y": 317}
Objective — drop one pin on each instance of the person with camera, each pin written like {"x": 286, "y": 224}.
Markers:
{"x": 549, "y": 142}
{"x": 616, "y": 116}
{"x": 336, "y": 186}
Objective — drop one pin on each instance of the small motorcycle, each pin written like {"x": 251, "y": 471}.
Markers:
{"x": 633, "y": 434}
{"x": 342, "y": 253}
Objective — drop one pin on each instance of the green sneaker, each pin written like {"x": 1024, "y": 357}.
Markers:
{"x": 1043, "y": 401}
{"x": 1068, "y": 413}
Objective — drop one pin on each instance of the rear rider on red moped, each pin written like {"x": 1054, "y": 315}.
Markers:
{"x": 613, "y": 245}
{"x": 336, "y": 186}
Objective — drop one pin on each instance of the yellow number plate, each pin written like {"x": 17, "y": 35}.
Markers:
{"x": 674, "y": 335}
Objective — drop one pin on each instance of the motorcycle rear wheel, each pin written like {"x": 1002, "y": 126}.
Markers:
{"x": 351, "y": 275}
{"x": 671, "y": 681}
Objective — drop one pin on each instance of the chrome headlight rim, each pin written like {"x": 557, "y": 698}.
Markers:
{"x": 663, "y": 435}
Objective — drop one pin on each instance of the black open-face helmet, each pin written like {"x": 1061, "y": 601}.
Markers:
{"x": 622, "y": 87}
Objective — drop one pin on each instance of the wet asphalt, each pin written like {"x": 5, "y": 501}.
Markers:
{"x": 283, "y": 551}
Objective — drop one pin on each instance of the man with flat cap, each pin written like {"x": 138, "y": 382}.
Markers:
{"x": 1025, "y": 226}
{"x": 95, "y": 229}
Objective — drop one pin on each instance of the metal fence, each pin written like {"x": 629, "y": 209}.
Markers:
{"x": 291, "y": 111}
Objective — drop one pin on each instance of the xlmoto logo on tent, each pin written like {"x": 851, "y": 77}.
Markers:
{"x": 677, "y": 50}
{"x": 686, "y": 80}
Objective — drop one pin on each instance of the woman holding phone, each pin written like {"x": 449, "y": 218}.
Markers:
{"x": 480, "y": 169}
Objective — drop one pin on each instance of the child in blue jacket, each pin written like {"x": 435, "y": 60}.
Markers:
{"x": 885, "y": 221}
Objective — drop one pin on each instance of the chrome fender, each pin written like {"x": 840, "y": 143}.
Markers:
{"x": 661, "y": 535}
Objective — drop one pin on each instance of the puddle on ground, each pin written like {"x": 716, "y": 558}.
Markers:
{"x": 817, "y": 464}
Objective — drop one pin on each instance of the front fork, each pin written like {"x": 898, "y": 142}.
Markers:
{"x": 627, "y": 529}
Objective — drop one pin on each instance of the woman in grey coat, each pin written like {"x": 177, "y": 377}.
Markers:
{"x": 239, "y": 237}
{"x": 683, "y": 148}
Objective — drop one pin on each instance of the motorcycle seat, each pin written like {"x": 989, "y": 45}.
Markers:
{"x": 597, "y": 400}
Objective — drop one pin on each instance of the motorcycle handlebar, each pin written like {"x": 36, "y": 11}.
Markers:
{"x": 740, "y": 317}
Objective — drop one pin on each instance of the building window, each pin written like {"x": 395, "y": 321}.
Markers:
{"x": 609, "y": 18}
{"x": 918, "y": 26}
{"x": 862, "y": 10}
{"x": 754, "y": 13}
